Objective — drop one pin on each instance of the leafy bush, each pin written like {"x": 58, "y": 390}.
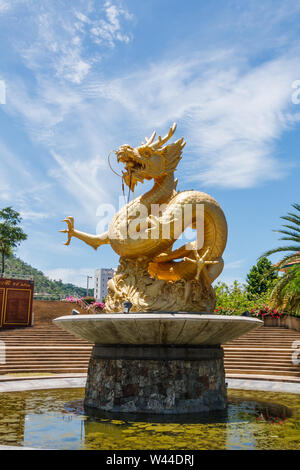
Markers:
{"x": 234, "y": 299}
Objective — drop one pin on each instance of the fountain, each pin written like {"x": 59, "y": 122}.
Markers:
{"x": 166, "y": 355}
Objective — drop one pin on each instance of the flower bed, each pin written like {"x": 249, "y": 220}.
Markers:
{"x": 265, "y": 311}
{"x": 270, "y": 316}
{"x": 86, "y": 304}
{"x": 258, "y": 312}
{"x": 288, "y": 321}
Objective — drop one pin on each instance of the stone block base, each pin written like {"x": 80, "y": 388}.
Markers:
{"x": 155, "y": 379}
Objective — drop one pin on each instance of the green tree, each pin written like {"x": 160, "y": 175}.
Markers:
{"x": 292, "y": 234}
{"x": 285, "y": 294}
{"x": 261, "y": 277}
{"x": 11, "y": 234}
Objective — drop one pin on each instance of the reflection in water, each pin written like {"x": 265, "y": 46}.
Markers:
{"x": 56, "y": 419}
{"x": 12, "y": 425}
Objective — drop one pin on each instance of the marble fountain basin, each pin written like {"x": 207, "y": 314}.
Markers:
{"x": 157, "y": 328}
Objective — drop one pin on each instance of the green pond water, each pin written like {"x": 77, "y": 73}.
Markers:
{"x": 56, "y": 419}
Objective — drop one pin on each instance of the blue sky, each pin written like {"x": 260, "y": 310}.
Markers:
{"x": 84, "y": 77}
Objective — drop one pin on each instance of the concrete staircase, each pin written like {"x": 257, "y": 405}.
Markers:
{"x": 44, "y": 349}
{"x": 265, "y": 353}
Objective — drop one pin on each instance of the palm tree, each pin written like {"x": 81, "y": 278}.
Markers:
{"x": 286, "y": 293}
{"x": 293, "y": 234}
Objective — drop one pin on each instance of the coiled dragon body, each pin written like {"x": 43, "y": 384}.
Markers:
{"x": 148, "y": 226}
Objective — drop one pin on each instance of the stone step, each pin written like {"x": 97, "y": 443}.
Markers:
{"x": 43, "y": 366}
{"x": 261, "y": 371}
{"x": 259, "y": 365}
{"x": 39, "y": 339}
{"x": 259, "y": 360}
{"x": 47, "y": 355}
{"x": 277, "y": 378}
{"x": 265, "y": 331}
{"x": 263, "y": 340}
{"x": 53, "y": 370}
{"x": 264, "y": 364}
{"x": 261, "y": 343}
{"x": 265, "y": 352}
{"x": 50, "y": 337}
{"x": 254, "y": 346}
{"x": 52, "y": 359}
{"x": 47, "y": 358}
{"x": 43, "y": 344}
{"x": 260, "y": 354}
{"x": 264, "y": 344}
{"x": 266, "y": 338}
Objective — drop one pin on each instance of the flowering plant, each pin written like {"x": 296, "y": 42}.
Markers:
{"x": 264, "y": 310}
{"x": 96, "y": 307}
{"x": 225, "y": 311}
{"x": 86, "y": 304}
{"x": 257, "y": 312}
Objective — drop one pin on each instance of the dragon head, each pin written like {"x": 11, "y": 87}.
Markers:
{"x": 152, "y": 160}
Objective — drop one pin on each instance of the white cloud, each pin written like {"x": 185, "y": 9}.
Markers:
{"x": 60, "y": 120}
{"x": 231, "y": 114}
{"x": 78, "y": 277}
{"x": 235, "y": 264}
{"x": 60, "y": 41}
{"x": 73, "y": 68}
{"x": 83, "y": 180}
{"x": 109, "y": 30}
{"x": 4, "y": 6}
{"x": 33, "y": 215}
{"x": 80, "y": 16}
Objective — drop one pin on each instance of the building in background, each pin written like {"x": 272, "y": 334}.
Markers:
{"x": 102, "y": 276}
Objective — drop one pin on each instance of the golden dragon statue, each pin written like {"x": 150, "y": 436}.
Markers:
{"x": 151, "y": 274}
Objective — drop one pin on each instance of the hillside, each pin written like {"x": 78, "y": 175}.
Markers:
{"x": 15, "y": 267}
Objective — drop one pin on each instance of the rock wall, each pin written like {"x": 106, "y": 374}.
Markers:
{"x": 156, "y": 386}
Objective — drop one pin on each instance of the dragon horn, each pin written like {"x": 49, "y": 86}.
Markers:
{"x": 149, "y": 141}
{"x": 160, "y": 142}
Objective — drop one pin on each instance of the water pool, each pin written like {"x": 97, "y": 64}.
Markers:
{"x": 56, "y": 419}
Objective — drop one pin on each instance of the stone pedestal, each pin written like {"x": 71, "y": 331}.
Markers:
{"x": 157, "y": 362}
{"x": 156, "y": 379}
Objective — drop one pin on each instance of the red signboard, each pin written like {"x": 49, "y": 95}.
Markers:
{"x": 16, "y": 297}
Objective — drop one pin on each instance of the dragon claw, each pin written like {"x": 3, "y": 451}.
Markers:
{"x": 200, "y": 262}
{"x": 69, "y": 230}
